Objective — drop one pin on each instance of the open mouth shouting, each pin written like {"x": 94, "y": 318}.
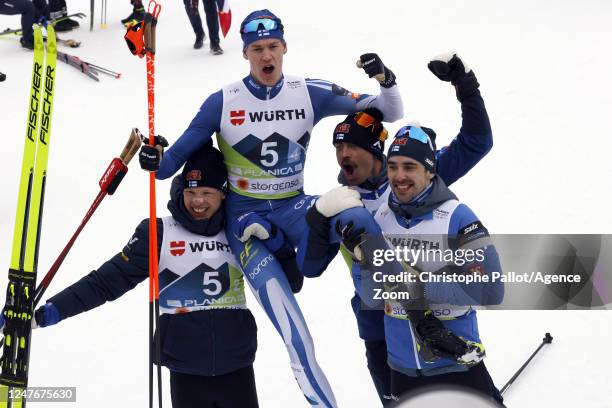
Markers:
{"x": 268, "y": 69}
{"x": 349, "y": 169}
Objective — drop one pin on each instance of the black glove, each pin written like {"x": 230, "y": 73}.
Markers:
{"x": 149, "y": 156}
{"x": 319, "y": 224}
{"x": 450, "y": 67}
{"x": 286, "y": 257}
{"x": 374, "y": 67}
{"x": 351, "y": 238}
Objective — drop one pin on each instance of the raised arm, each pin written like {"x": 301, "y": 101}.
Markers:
{"x": 475, "y": 139}
{"x": 329, "y": 99}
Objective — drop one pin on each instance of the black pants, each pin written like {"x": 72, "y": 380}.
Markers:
{"x": 58, "y": 8}
{"x": 233, "y": 390}
{"x": 476, "y": 378}
{"x": 28, "y": 15}
{"x": 376, "y": 354}
{"x": 212, "y": 18}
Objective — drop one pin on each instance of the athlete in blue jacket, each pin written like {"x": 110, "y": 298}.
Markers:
{"x": 263, "y": 124}
{"x": 359, "y": 152}
{"x": 208, "y": 336}
{"x": 421, "y": 213}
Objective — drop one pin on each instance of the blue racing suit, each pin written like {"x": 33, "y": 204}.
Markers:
{"x": 264, "y": 133}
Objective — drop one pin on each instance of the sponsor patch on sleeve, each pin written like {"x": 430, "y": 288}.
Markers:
{"x": 471, "y": 232}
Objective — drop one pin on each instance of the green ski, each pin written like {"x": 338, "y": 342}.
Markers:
{"x": 24, "y": 257}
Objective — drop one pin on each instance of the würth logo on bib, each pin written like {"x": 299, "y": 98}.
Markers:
{"x": 177, "y": 248}
{"x": 237, "y": 117}
{"x": 276, "y": 115}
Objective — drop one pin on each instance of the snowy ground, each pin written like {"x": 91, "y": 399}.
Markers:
{"x": 546, "y": 81}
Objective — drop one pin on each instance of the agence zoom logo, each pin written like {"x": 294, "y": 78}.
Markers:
{"x": 237, "y": 117}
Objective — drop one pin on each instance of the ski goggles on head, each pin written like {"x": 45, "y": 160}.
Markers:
{"x": 413, "y": 132}
{"x": 366, "y": 120}
{"x": 262, "y": 23}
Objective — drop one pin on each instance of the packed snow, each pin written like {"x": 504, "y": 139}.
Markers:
{"x": 546, "y": 82}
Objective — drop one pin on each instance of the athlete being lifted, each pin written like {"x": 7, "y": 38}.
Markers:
{"x": 263, "y": 124}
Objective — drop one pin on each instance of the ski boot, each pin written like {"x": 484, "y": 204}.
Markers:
{"x": 28, "y": 44}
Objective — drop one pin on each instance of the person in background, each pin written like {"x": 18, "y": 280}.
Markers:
{"x": 137, "y": 14}
{"x": 212, "y": 22}
{"x": 57, "y": 10}
{"x": 30, "y": 12}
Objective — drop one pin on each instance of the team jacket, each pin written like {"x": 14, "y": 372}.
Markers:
{"x": 436, "y": 220}
{"x": 264, "y": 132}
{"x": 205, "y": 326}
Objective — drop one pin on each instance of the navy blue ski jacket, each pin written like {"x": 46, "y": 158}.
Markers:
{"x": 204, "y": 342}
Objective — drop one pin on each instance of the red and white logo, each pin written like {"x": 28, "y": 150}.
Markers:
{"x": 243, "y": 184}
{"x": 237, "y": 117}
{"x": 477, "y": 269}
{"x": 343, "y": 128}
{"x": 177, "y": 248}
{"x": 194, "y": 175}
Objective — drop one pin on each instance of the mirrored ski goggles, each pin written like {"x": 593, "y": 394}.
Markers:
{"x": 264, "y": 23}
{"x": 366, "y": 120}
{"x": 413, "y": 132}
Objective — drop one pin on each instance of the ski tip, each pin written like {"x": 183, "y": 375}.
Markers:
{"x": 547, "y": 338}
{"x": 117, "y": 76}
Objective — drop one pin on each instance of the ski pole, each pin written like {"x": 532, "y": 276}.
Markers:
{"x": 150, "y": 23}
{"x": 546, "y": 340}
{"x": 108, "y": 185}
{"x": 91, "y": 14}
{"x": 78, "y": 64}
{"x": 103, "y": 14}
{"x": 104, "y": 70}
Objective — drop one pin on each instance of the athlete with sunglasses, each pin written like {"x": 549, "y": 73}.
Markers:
{"x": 263, "y": 124}
{"x": 421, "y": 209}
{"x": 359, "y": 142}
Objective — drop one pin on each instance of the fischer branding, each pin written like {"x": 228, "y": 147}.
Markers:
{"x": 34, "y": 102}
{"x": 46, "y": 108}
